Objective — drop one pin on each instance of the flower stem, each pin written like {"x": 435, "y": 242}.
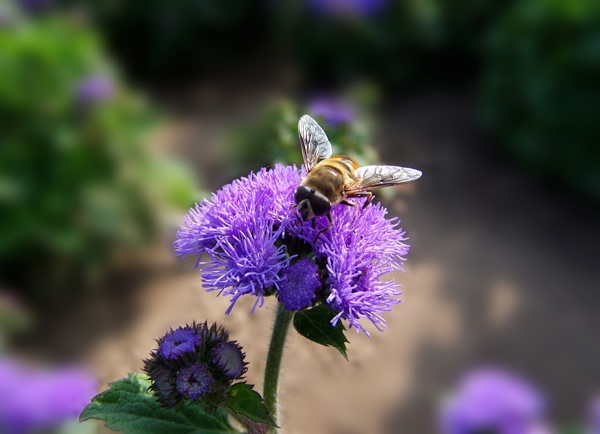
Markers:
{"x": 280, "y": 328}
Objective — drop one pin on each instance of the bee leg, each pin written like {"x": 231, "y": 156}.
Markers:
{"x": 297, "y": 215}
{"x": 366, "y": 194}
{"x": 369, "y": 196}
{"x": 345, "y": 202}
{"x": 325, "y": 229}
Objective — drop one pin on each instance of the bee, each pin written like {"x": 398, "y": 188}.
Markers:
{"x": 333, "y": 180}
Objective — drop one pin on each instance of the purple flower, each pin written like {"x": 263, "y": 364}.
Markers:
{"x": 93, "y": 89}
{"x": 594, "y": 416}
{"x": 238, "y": 229}
{"x": 344, "y": 8}
{"x": 496, "y": 401}
{"x": 32, "y": 399}
{"x": 178, "y": 342}
{"x": 360, "y": 248}
{"x": 299, "y": 286}
{"x": 333, "y": 111}
{"x": 35, "y": 6}
{"x": 250, "y": 232}
{"x": 194, "y": 381}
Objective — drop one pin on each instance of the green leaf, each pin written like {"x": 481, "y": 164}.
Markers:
{"x": 130, "y": 407}
{"x": 315, "y": 324}
{"x": 246, "y": 401}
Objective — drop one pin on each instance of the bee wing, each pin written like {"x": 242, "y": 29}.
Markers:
{"x": 382, "y": 176}
{"x": 313, "y": 141}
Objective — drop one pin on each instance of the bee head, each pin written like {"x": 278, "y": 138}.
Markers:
{"x": 311, "y": 203}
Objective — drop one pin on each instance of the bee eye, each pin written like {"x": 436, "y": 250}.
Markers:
{"x": 301, "y": 193}
{"x": 320, "y": 204}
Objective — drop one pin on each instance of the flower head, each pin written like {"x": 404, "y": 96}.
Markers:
{"x": 239, "y": 229}
{"x": 496, "y": 401}
{"x": 194, "y": 362}
{"x": 257, "y": 245}
{"x": 358, "y": 250}
{"x": 178, "y": 342}
{"x": 194, "y": 381}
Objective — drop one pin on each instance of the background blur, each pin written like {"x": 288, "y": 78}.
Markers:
{"x": 116, "y": 116}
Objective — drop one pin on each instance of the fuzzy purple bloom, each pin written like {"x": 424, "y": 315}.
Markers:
{"x": 229, "y": 359}
{"x": 95, "y": 88}
{"x": 178, "y": 342}
{"x": 359, "y": 248}
{"x": 194, "y": 381}
{"x": 238, "y": 229}
{"x": 33, "y": 399}
{"x": 333, "y": 111}
{"x": 299, "y": 286}
{"x": 496, "y": 401}
{"x": 249, "y": 228}
{"x": 35, "y": 6}
{"x": 342, "y": 8}
{"x": 594, "y": 416}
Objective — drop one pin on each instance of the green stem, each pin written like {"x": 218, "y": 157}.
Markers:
{"x": 280, "y": 328}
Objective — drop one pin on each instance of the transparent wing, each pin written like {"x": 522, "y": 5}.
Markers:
{"x": 382, "y": 176}
{"x": 313, "y": 141}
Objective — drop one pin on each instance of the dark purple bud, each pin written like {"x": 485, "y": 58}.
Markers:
{"x": 178, "y": 342}
{"x": 194, "y": 381}
{"x": 163, "y": 384}
{"x": 229, "y": 359}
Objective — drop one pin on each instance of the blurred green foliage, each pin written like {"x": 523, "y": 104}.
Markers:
{"x": 274, "y": 139}
{"x": 541, "y": 89}
{"x": 168, "y": 40}
{"x": 77, "y": 181}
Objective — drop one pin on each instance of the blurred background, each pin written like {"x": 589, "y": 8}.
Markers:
{"x": 116, "y": 116}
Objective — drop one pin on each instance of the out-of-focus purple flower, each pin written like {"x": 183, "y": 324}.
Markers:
{"x": 33, "y": 400}
{"x": 333, "y": 111}
{"x": 35, "y": 6}
{"x": 594, "y": 416}
{"x": 345, "y": 8}
{"x": 494, "y": 400}
{"x": 250, "y": 232}
{"x": 95, "y": 88}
